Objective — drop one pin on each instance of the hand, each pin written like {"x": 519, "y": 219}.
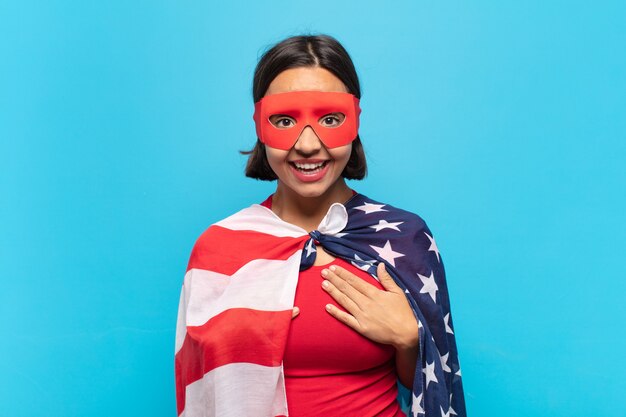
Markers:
{"x": 384, "y": 316}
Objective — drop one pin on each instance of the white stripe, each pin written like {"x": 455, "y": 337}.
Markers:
{"x": 237, "y": 390}
{"x": 261, "y": 284}
{"x": 263, "y": 220}
{"x": 181, "y": 327}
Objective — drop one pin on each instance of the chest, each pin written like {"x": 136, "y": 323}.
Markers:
{"x": 319, "y": 344}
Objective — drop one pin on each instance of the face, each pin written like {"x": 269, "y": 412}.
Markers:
{"x": 308, "y": 168}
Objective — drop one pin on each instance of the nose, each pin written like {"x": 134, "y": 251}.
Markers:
{"x": 308, "y": 142}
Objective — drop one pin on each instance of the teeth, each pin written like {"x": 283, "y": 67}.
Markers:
{"x": 308, "y": 166}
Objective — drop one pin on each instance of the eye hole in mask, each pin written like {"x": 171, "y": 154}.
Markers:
{"x": 283, "y": 121}
{"x": 281, "y": 118}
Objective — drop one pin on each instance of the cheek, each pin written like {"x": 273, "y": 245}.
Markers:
{"x": 275, "y": 157}
{"x": 341, "y": 154}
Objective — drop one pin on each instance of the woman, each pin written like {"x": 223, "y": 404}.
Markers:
{"x": 316, "y": 301}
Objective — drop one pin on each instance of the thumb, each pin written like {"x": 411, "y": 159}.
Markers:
{"x": 295, "y": 312}
{"x": 385, "y": 279}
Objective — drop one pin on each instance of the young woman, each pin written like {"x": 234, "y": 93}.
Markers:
{"x": 318, "y": 300}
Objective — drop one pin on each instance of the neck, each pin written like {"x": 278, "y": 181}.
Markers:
{"x": 307, "y": 212}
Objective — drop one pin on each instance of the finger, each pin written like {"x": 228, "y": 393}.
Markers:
{"x": 386, "y": 280}
{"x": 343, "y": 317}
{"x": 354, "y": 281}
{"x": 295, "y": 312}
{"x": 342, "y": 298}
{"x": 344, "y": 287}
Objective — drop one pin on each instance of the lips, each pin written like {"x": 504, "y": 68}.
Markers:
{"x": 309, "y": 170}
{"x": 309, "y": 166}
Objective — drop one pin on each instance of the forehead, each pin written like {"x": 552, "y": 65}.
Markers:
{"x": 306, "y": 78}
{"x": 307, "y": 100}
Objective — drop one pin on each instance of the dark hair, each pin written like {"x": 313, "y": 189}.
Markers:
{"x": 304, "y": 51}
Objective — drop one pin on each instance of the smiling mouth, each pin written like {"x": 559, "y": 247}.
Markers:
{"x": 309, "y": 168}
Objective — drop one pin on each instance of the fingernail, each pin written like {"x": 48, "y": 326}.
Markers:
{"x": 328, "y": 307}
{"x": 332, "y": 268}
{"x": 325, "y": 284}
{"x": 324, "y": 272}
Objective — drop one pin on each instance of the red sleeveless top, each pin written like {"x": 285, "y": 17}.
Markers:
{"x": 330, "y": 369}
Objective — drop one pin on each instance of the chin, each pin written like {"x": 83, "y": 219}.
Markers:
{"x": 311, "y": 191}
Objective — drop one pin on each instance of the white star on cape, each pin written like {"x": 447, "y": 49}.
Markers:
{"x": 447, "y": 319}
{"x": 371, "y": 208}
{"x": 430, "y": 286}
{"x": 430, "y": 373}
{"x": 451, "y": 410}
{"x": 387, "y": 253}
{"x": 458, "y": 372}
{"x": 444, "y": 414}
{"x": 310, "y": 248}
{"x": 416, "y": 407}
{"x": 383, "y": 224}
{"x": 444, "y": 362}
{"x": 366, "y": 264}
{"x": 433, "y": 246}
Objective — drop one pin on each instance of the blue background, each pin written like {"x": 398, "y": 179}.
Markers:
{"x": 501, "y": 125}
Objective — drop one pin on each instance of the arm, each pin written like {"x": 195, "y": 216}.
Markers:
{"x": 406, "y": 363}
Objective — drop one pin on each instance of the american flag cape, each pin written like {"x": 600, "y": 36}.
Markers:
{"x": 238, "y": 292}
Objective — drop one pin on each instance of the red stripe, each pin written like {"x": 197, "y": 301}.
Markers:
{"x": 235, "y": 335}
{"x": 238, "y": 247}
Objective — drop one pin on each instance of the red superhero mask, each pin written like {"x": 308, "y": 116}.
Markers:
{"x": 307, "y": 108}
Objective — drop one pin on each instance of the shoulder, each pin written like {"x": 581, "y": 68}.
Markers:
{"x": 253, "y": 229}
{"x": 396, "y": 232}
{"x": 225, "y": 230}
{"x": 223, "y": 239}
{"x": 365, "y": 209}
{"x": 383, "y": 224}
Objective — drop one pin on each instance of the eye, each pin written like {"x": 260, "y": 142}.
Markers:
{"x": 282, "y": 121}
{"x": 332, "y": 120}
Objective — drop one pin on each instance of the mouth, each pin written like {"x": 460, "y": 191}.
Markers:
{"x": 310, "y": 171}
{"x": 309, "y": 168}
